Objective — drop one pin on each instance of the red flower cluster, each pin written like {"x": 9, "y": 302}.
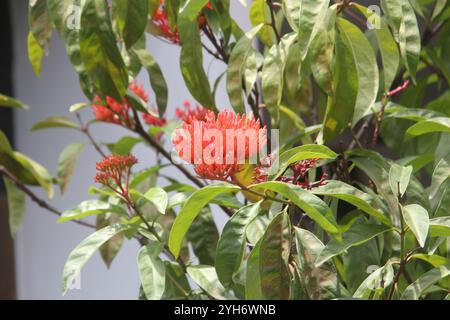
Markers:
{"x": 139, "y": 91}
{"x": 299, "y": 176}
{"x": 161, "y": 21}
{"x": 119, "y": 113}
{"x": 115, "y": 112}
{"x": 189, "y": 115}
{"x": 112, "y": 112}
{"x": 219, "y": 145}
{"x": 115, "y": 169}
{"x": 154, "y": 120}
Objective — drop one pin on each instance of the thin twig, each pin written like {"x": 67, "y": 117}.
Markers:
{"x": 43, "y": 204}
{"x": 150, "y": 140}
{"x": 85, "y": 130}
{"x": 214, "y": 54}
{"x": 273, "y": 21}
{"x": 219, "y": 47}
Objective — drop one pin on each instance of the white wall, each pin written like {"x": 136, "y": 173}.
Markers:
{"x": 42, "y": 246}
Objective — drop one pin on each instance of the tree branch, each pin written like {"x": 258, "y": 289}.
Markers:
{"x": 85, "y": 130}
{"x": 43, "y": 204}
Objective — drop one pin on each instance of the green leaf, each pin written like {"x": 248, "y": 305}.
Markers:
{"x": 191, "y": 57}
{"x": 84, "y": 251}
{"x": 16, "y": 205}
{"x": 341, "y": 104}
{"x": 190, "y": 211}
{"x": 110, "y": 249}
{"x": 6, "y": 101}
{"x": 415, "y": 290}
{"x": 5, "y": 146}
{"x": 399, "y": 177}
{"x": 441, "y": 173}
{"x": 203, "y": 236}
{"x": 291, "y": 9}
{"x": 433, "y": 259}
{"x": 313, "y": 206}
{"x": 440, "y": 124}
{"x": 322, "y": 55}
{"x": 366, "y": 67}
{"x": 232, "y": 243}
{"x": 311, "y": 15}
{"x": 393, "y": 11}
{"x": 158, "y": 197}
{"x": 157, "y": 80}
{"x": 78, "y": 106}
{"x": 414, "y": 114}
{"x": 386, "y": 45}
{"x": 144, "y": 175}
{"x": 416, "y": 217}
{"x": 377, "y": 169}
{"x": 177, "y": 286}
{"x": 317, "y": 283}
{"x": 259, "y": 14}
{"x": 357, "y": 235}
{"x": 440, "y": 227}
{"x": 152, "y": 271}
{"x": 274, "y": 259}
{"x": 41, "y": 174}
{"x": 55, "y": 122}
{"x": 308, "y": 245}
{"x": 350, "y": 194}
{"x": 253, "y": 289}
{"x": 40, "y": 23}
{"x": 377, "y": 282}
{"x": 131, "y": 19}
{"x": 409, "y": 38}
{"x": 206, "y": 278}
{"x": 304, "y": 152}
{"x": 272, "y": 81}
{"x": 125, "y": 145}
{"x": 35, "y": 54}
{"x": 101, "y": 58}
{"x": 90, "y": 207}
{"x": 236, "y": 64}
{"x": 66, "y": 164}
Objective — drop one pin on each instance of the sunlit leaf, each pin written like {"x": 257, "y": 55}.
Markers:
{"x": 90, "y": 207}
{"x": 84, "y": 251}
{"x": 416, "y": 217}
{"x": 415, "y": 290}
{"x": 236, "y": 63}
{"x": 191, "y": 209}
{"x": 152, "y": 271}
{"x": 206, "y": 278}
{"x": 399, "y": 177}
{"x": 55, "y": 122}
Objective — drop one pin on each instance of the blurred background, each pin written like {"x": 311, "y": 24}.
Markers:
{"x": 31, "y": 265}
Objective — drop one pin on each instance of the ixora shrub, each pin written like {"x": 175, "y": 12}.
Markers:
{"x": 335, "y": 181}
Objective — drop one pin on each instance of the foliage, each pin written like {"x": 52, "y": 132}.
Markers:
{"x": 359, "y": 206}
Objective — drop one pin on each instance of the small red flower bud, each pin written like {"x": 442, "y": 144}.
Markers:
{"x": 113, "y": 170}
